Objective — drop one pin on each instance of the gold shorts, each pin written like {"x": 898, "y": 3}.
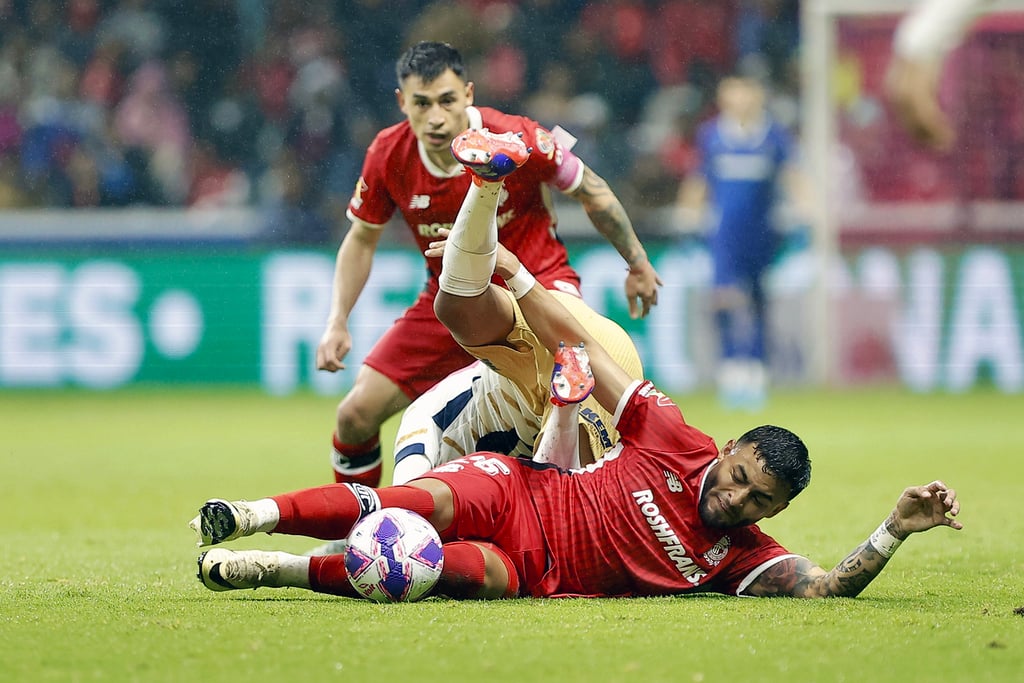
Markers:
{"x": 525, "y": 362}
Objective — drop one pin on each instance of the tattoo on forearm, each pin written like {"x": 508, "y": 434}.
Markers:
{"x": 609, "y": 216}
{"x": 799, "y": 577}
{"x": 790, "y": 577}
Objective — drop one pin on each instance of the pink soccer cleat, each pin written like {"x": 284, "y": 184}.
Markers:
{"x": 571, "y": 380}
{"x": 489, "y": 156}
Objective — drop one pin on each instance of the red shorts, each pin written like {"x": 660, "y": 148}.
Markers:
{"x": 418, "y": 351}
{"x": 493, "y": 503}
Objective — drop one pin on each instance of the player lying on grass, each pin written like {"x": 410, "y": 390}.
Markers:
{"x": 501, "y": 403}
{"x": 664, "y": 512}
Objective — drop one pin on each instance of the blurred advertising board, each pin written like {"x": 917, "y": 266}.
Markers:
{"x": 934, "y": 318}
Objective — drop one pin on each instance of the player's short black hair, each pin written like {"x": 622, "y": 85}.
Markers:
{"x": 428, "y": 61}
{"x": 783, "y": 455}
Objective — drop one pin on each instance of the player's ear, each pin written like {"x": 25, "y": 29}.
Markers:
{"x": 398, "y": 98}
{"x": 727, "y": 449}
{"x": 469, "y": 92}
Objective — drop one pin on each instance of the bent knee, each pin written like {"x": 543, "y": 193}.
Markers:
{"x": 366, "y": 407}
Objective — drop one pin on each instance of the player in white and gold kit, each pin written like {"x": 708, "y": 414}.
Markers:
{"x": 502, "y": 402}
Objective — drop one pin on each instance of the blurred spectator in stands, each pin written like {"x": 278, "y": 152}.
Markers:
{"x": 154, "y": 127}
{"x": 135, "y": 25}
{"x": 126, "y": 102}
{"x": 610, "y": 48}
{"x": 691, "y": 41}
{"x": 215, "y": 182}
{"x": 289, "y": 205}
{"x": 550, "y": 103}
{"x": 102, "y": 81}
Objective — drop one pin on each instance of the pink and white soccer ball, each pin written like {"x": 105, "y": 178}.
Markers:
{"x": 393, "y": 555}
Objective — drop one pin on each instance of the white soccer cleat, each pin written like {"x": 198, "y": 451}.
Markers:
{"x": 221, "y": 569}
{"x": 220, "y": 520}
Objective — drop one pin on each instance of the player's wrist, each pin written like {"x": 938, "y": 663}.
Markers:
{"x": 638, "y": 264}
{"x": 521, "y": 283}
{"x": 885, "y": 540}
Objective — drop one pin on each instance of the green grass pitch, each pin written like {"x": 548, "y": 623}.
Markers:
{"x": 98, "y": 580}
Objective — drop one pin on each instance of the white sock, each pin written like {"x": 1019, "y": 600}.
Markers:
{"x": 469, "y": 255}
{"x": 265, "y": 514}
{"x": 560, "y": 442}
{"x": 293, "y": 571}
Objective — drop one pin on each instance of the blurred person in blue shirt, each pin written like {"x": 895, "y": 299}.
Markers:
{"x": 746, "y": 162}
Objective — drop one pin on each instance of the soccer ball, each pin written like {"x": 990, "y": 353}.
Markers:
{"x": 393, "y": 555}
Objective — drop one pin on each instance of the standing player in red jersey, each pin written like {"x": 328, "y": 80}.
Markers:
{"x": 663, "y": 512}
{"x": 409, "y": 168}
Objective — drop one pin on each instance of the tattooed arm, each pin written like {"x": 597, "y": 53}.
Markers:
{"x": 609, "y": 217}
{"x": 919, "y": 508}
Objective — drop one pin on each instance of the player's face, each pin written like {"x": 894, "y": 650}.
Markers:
{"x": 436, "y": 110}
{"x": 740, "y": 98}
{"x": 738, "y": 492}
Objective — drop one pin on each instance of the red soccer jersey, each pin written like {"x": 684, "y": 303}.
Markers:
{"x": 398, "y": 174}
{"x": 629, "y": 525}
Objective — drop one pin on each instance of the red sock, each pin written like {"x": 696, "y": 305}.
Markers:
{"x": 328, "y": 575}
{"x": 328, "y": 512}
{"x": 357, "y": 463}
{"x": 464, "y": 570}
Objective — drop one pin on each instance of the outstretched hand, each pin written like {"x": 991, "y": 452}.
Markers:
{"x": 334, "y": 345}
{"x": 641, "y": 286}
{"x": 920, "y": 508}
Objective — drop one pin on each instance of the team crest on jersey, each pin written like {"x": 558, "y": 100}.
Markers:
{"x": 419, "y": 201}
{"x": 718, "y": 552}
{"x": 357, "y": 194}
{"x": 545, "y": 143}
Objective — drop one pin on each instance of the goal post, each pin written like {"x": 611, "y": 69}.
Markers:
{"x": 823, "y": 23}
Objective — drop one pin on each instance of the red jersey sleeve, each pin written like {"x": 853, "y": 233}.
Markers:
{"x": 371, "y": 203}
{"x": 753, "y": 551}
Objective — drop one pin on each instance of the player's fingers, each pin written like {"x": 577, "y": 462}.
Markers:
{"x": 329, "y": 358}
{"x": 649, "y": 301}
{"x": 634, "y": 310}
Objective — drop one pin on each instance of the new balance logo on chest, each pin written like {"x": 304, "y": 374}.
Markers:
{"x": 419, "y": 201}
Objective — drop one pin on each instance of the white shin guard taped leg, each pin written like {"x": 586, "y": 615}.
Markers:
{"x": 470, "y": 252}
